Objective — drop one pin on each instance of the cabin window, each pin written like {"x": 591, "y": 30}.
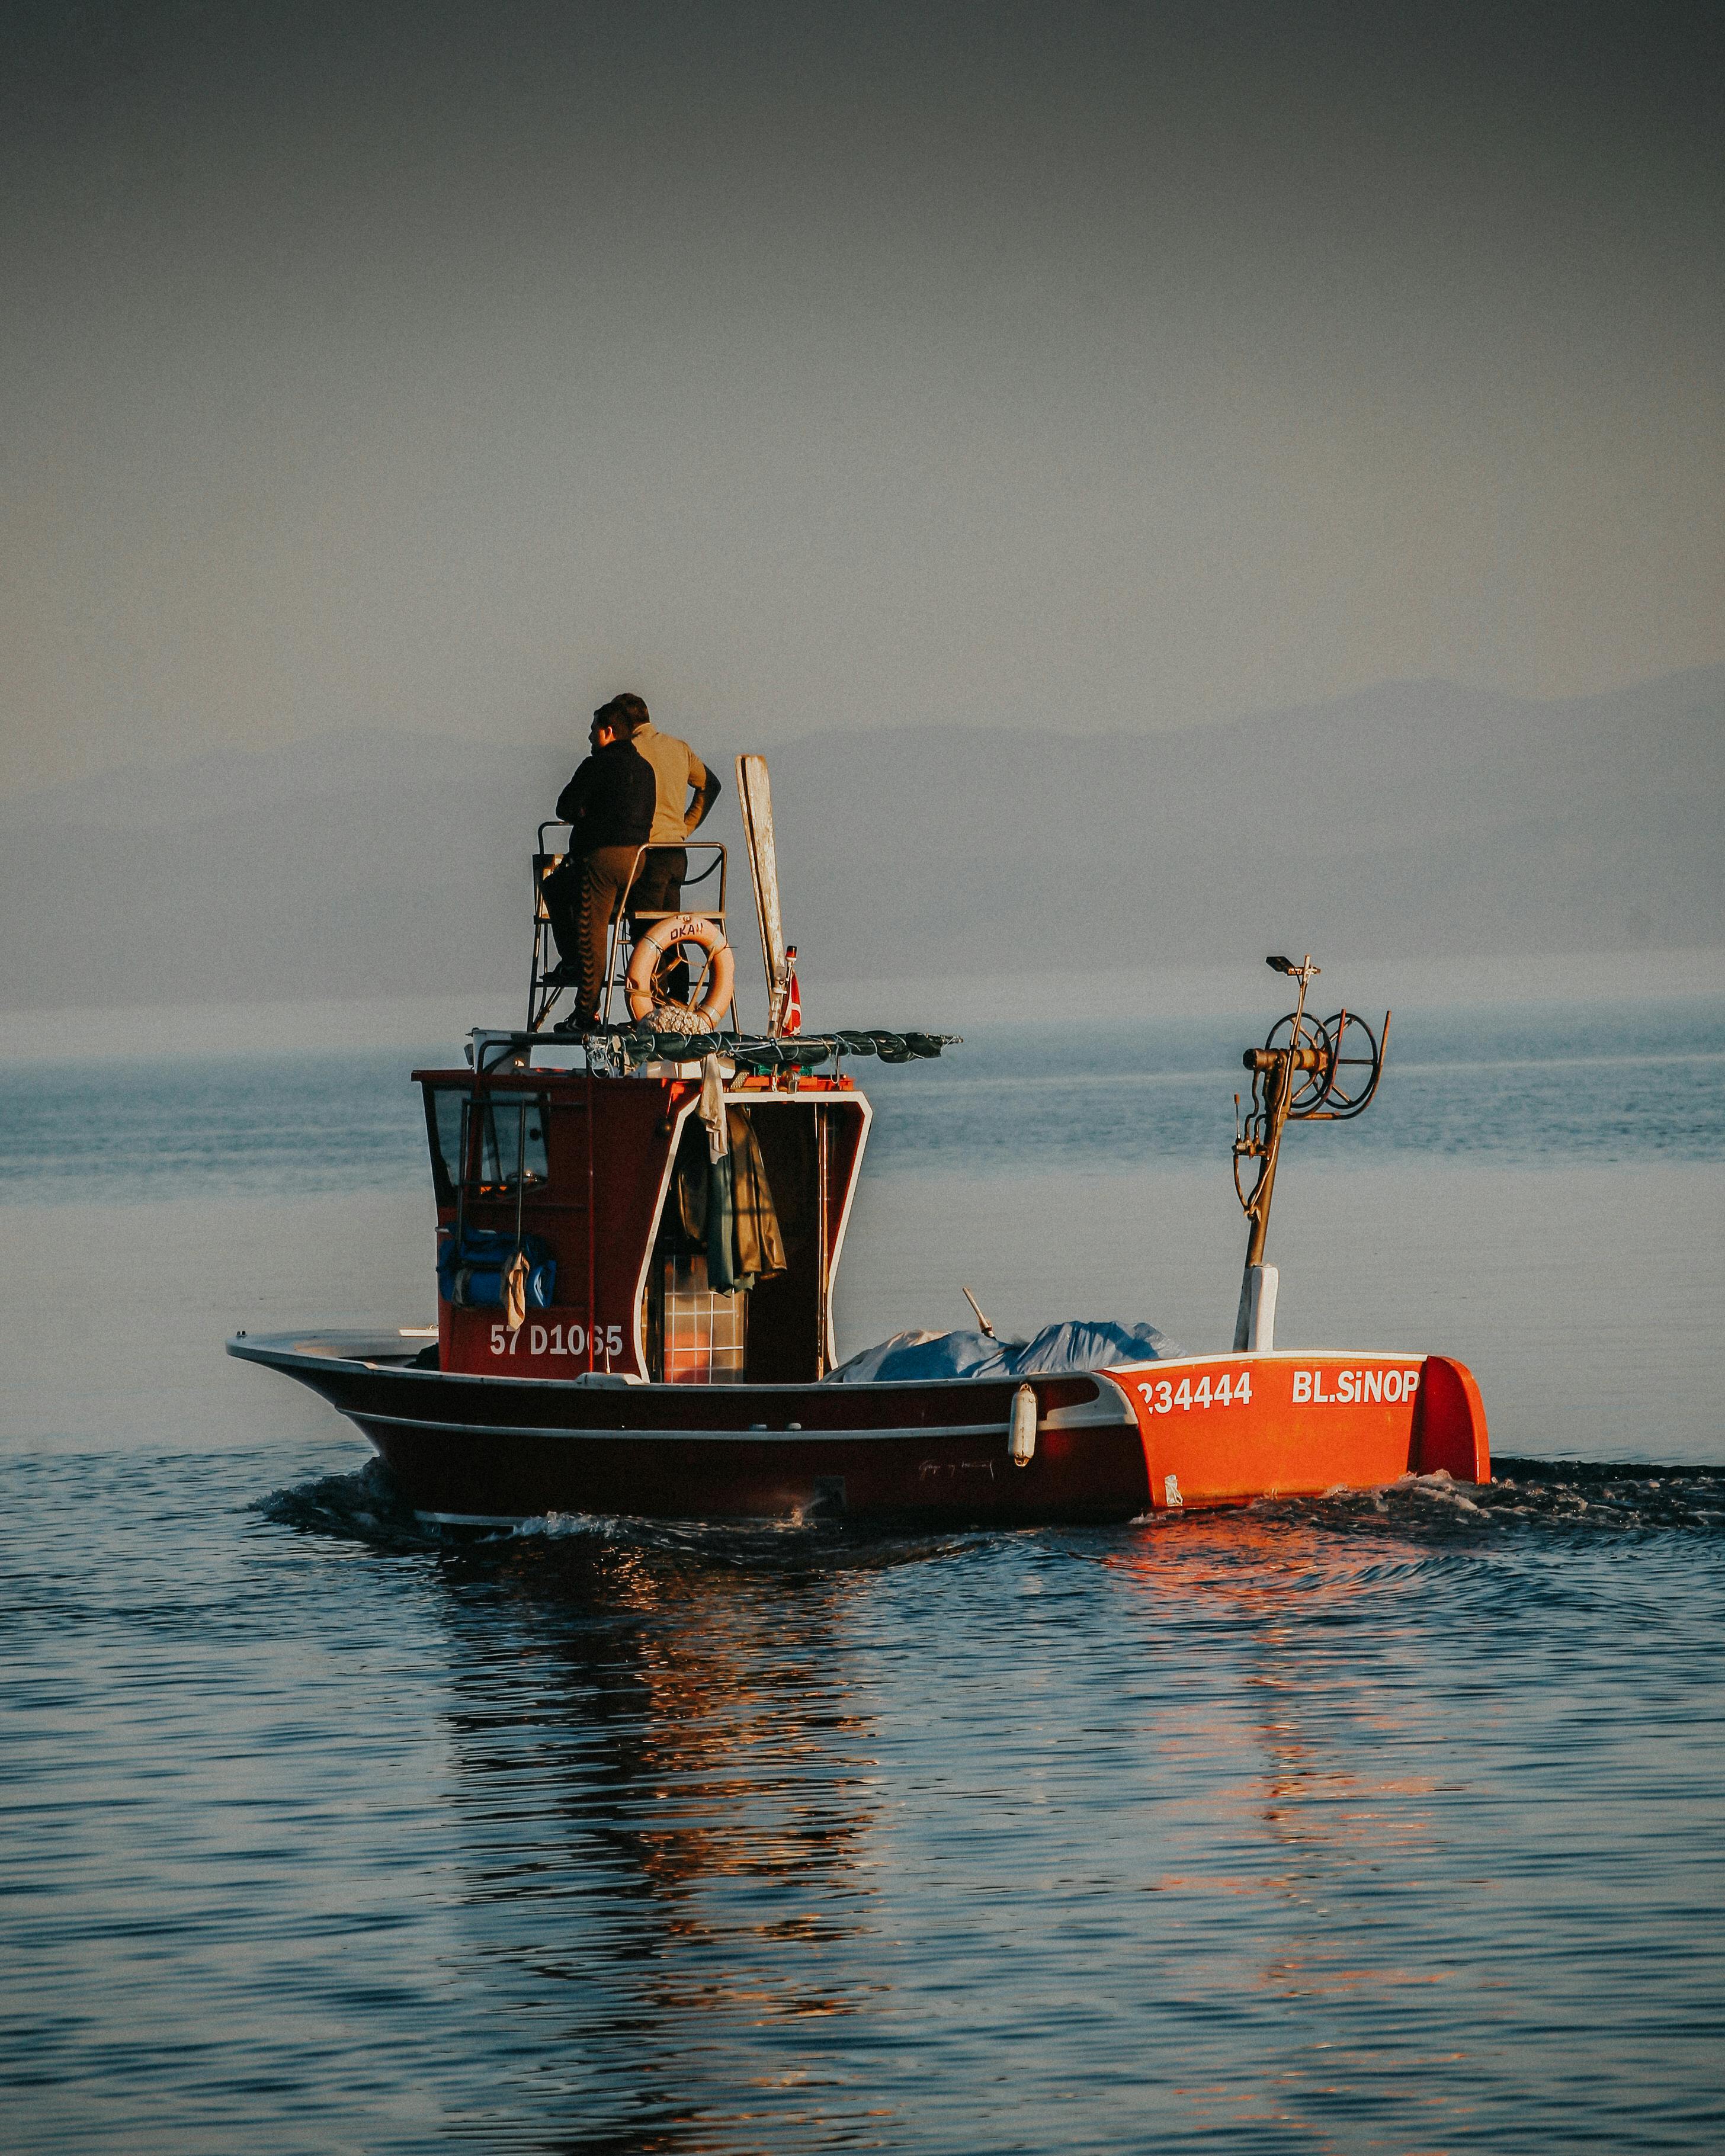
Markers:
{"x": 511, "y": 1142}
{"x": 447, "y": 1107}
{"x": 509, "y": 1136}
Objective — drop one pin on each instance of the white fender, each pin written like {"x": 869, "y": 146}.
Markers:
{"x": 1022, "y": 1443}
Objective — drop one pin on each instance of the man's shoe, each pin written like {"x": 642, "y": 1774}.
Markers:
{"x": 563, "y": 976}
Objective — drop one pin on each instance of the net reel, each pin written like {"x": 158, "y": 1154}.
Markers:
{"x": 1334, "y": 1064}
{"x": 1309, "y": 1070}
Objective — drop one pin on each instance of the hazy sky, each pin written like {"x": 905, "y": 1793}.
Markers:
{"x": 802, "y": 367}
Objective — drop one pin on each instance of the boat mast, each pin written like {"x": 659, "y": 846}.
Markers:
{"x": 754, "y": 795}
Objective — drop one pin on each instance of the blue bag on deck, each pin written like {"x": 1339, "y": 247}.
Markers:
{"x": 471, "y": 1277}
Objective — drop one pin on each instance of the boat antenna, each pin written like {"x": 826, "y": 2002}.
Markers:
{"x": 981, "y": 1321}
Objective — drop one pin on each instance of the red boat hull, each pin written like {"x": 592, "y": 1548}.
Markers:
{"x": 1195, "y": 1432}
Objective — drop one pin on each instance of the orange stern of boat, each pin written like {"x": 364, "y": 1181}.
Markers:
{"x": 1225, "y": 1429}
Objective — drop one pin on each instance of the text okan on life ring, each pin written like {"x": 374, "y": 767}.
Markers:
{"x": 664, "y": 936}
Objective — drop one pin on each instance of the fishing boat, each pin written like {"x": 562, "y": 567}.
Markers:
{"x": 638, "y": 1230}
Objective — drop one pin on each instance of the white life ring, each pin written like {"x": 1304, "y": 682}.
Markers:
{"x": 664, "y": 936}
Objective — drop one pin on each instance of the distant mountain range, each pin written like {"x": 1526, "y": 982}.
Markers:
{"x": 1415, "y": 819}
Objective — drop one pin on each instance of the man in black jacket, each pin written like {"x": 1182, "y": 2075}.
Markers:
{"x": 609, "y": 802}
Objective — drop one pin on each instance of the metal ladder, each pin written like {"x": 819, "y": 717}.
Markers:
{"x": 544, "y": 996}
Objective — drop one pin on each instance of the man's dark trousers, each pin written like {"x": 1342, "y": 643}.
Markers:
{"x": 658, "y": 889}
{"x": 583, "y": 897}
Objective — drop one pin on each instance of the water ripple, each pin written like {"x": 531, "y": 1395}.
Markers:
{"x": 1381, "y": 1821}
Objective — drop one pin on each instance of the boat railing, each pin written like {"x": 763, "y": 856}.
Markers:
{"x": 543, "y": 994}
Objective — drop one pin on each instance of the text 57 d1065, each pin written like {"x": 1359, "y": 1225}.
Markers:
{"x": 557, "y": 1339}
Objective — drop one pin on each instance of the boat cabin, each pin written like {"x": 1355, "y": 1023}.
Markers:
{"x": 585, "y": 1228}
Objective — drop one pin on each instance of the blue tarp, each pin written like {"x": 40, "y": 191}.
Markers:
{"x": 1073, "y": 1343}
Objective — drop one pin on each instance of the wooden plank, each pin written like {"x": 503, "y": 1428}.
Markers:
{"x": 754, "y": 794}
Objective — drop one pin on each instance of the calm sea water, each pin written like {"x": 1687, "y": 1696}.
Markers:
{"x": 1391, "y": 1823}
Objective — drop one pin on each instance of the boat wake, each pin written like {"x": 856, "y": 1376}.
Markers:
{"x": 1538, "y": 1496}
{"x": 1584, "y": 1497}
{"x": 368, "y": 1507}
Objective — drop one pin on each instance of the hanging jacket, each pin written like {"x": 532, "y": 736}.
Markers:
{"x": 755, "y": 1230}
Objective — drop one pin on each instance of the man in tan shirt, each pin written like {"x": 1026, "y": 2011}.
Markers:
{"x": 687, "y": 791}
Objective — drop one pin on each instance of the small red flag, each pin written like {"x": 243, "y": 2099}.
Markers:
{"x": 791, "y": 1018}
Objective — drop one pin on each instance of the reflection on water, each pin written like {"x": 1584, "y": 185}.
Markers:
{"x": 681, "y": 1739}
